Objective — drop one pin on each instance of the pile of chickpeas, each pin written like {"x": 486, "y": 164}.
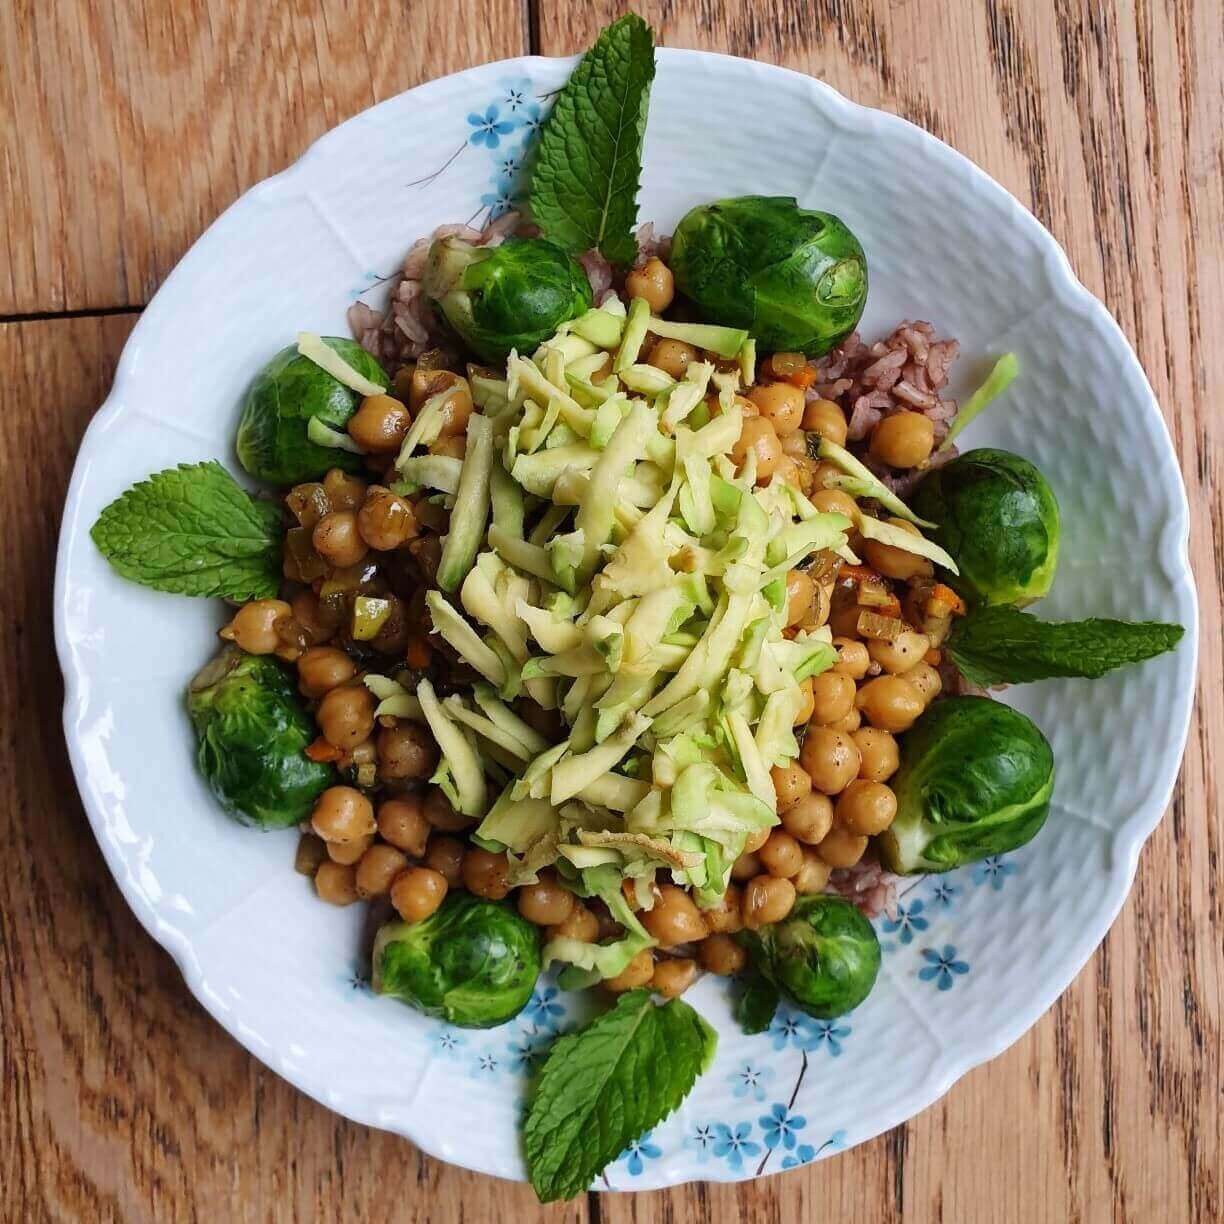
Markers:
{"x": 391, "y": 835}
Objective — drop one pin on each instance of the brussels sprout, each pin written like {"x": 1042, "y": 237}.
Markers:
{"x": 472, "y": 962}
{"x": 797, "y": 279}
{"x": 996, "y": 515}
{"x": 824, "y": 957}
{"x": 512, "y": 296}
{"x": 975, "y": 779}
{"x": 272, "y": 444}
{"x": 252, "y": 732}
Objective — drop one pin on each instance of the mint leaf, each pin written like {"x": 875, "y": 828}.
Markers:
{"x": 607, "y": 1085}
{"x": 588, "y": 165}
{"x": 192, "y": 530}
{"x": 756, "y": 1004}
{"x": 1007, "y": 646}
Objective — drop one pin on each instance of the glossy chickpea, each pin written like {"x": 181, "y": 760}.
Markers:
{"x": 580, "y": 924}
{"x": 674, "y": 918}
{"x": 724, "y": 918}
{"x": 866, "y": 807}
{"x": 766, "y": 899}
{"x": 800, "y": 591}
{"x": 342, "y": 814}
{"x": 896, "y": 562}
{"x": 406, "y": 750}
{"x": 745, "y": 867}
{"x": 925, "y": 679}
{"x": 673, "y": 975}
{"x": 336, "y": 883}
{"x": 842, "y": 848}
{"x": 254, "y": 627}
{"x": 904, "y": 652}
{"x": 721, "y": 954}
{"x": 794, "y": 444}
{"x": 445, "y": 856}
{"x": 380, "y": 424}
{"x": 486, "y": 874}
{"x": 807, "y": 703}
{"x": 810, "y": 819}
{"x": 779, "y": 403}
{"x": 758, "y": 435}
{"x": 425, "y": 383}
{"x": 755, "y": 840}
{"x": 878, "y": 752}
{"x": 545, "y": 902}
{"x": 903, "y": 440}
{"x": 337, "y": 539}
{"x": 379, "y": 865}
{"x": 673, "y": 357}
{"x": 848, "y": 723}
{"x": 791, "y": 786}
{"x": 890, "y": 703}
{"x": 825, "y": 419}
{"x": 781, "y": 855}
{"x": 344, "y": 492}
{"x": 835, "y": 501}
{"x": 456, "y": 409}
{"x": 349, "y": 853}
{"x": 653, "y": 283}
{"x": 323, "y": 668}
{"x": 417, "y": 892}
{"x": 813, "y": 875}
{"x": 636, "y": 973}
{"x": 402, "y": 824}
{"x": 452, "y": 447}
{"x": 441, "y": 814}
{"x": 853, "y": 658}
{"x": 385, "y": 520}
{"x": 346, "y": 715}
{"x": 832, "y": 697}
{"x": 830, "y": 758}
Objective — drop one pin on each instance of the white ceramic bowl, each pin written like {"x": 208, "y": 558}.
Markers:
{"x": 976, "y": 956}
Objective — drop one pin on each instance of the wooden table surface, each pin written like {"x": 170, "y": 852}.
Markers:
{"x": 128, "y": 125}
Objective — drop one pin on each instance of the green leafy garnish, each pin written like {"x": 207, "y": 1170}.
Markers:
{"x": 1006, "y": 646}
{"x": 603, "y": 1087}
{"x": 756, "y": 1003}
{"x": 997, "y": 381}
{"x": 192, "y": 530}
{"x": 588, "y": 164}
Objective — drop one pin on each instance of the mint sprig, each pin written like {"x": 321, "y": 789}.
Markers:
{"x": 756, "y": 1003}
{"x": 1006, "y": 646}
{"x": 588, "y": 164}
{"x": 192, "y": 530}
{"x": 607, "y": 1085}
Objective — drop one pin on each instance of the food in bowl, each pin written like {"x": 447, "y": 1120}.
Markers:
{"x": 567, "y": 547}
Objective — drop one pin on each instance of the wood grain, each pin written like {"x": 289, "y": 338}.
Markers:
{"x": 125, "y": 127}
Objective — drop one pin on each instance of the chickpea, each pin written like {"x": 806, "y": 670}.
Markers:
{"x": 342, "y": 814}
{"x": 424, "y": 383}
{"x": 406, "y": 750}
{"x": 924, "y": 678}
{"x": 853, "y": 658}
{"x": 807, "y": 703}
{"x": 385, "y": 520}
{"x": 903, "y": 440}
{"x": 673, "y": 975}
{"x": 453, "y": 447}
{"x": 800, "y": 591}
{"x": 795, "y": 444}
{"x": 781, "y": 404}
{"x": 378, "y": 867}
{"x": 890, "y": 703}
{"x": 311, "y": 851}
{"x": 344, "y": 492}
{"x": 579, "y": 924}
{"x": 379, "y": 425}
{"x": 832, "y": 697}
{"x": 825, "y": 419}
{"x": 545, "y": 903}
{"x": 848, "y": 724}
{"x": 843, "y": 619}
{"x": 653, "y": 282}
{"x": 313, "y": 617}
{"x": 866, "y": 807}
{"x": 745, "y": 867}
{"x": 336, "y": 884}
{"x": 842, "y": 848}
{"x": 672, "y": 357}
{"x": 722, "y": 955}
{"x": 822, "y": 605}
{"x": 879, "y": 752}
{"x": 402, "y": 823}
{"x": 755, "y": 840}
{"x": 758, "y": 435}
{"x": 724, "y": 918}
{"x": 417, "y": 893}
{"x": 896, "y": 562}
{"x": 445, "y": 856}
{"x": 457, "y": 407}
{"x": 441, "y": 815}
{"x": 486, "y": 873}
{"x": 830, "y": 758}
{"x": 813, "y": 875}
{"x": 254, "y": 626}
{"x": 791, "y": 786}
{"x": 636, "y": 973}
{"x": 810, "y": 819}
{"x": 346, "y": 715}
{"x": 675, "y": 919}
{"x": 781, "y": 855}
{"x": 349, "y": 853}
{"x": 337, "y": 540}
{"x": 835, "y": 501}
{"x": 767, "y": 899}
{"x": 904, "y": 652}
{"x": 323, "y": 668}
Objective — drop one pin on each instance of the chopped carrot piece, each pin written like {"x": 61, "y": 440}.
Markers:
{"x": 802, "y": 378}
{"x": 321, "y": 750}
{"x": 892, "y": 608}
{"x": 951, "y": 603}
{"x": 934, "y": 657}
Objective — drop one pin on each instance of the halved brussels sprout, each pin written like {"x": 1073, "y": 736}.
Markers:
{"x": 823, "y": 957}
{"x": 975, "y": 779}
{"x": 252, "y": 732}
{"x": 996, "y": 515}
{"x": 291, "y": 389}
{"x": 512, "y": 296}
{"x": 797, "y": 279}
{"x": 472, "y": 962}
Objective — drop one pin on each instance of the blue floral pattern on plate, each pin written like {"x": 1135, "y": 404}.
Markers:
{"x": 942, "y": 968}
